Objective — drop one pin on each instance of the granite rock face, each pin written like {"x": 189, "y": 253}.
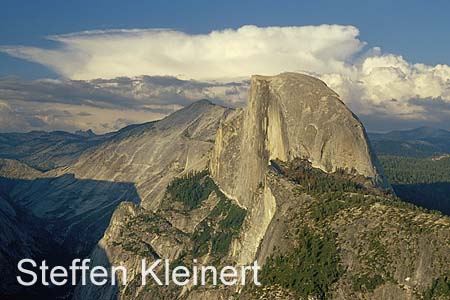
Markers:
{"x": 288, "y": 116}
{"x": 150, "y": 155}
{"x": 73, "y": 204}
{"x": 291, "y": 116}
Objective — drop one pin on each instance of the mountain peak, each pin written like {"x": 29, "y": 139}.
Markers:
{"x": 288, "y": 116}
{"x": 423, "y": 132}
{"x": 291, "y": 77}
{"x": 308, "y": 120}
{"x": 430, "y": 130}
{"x": 202, "y": 102}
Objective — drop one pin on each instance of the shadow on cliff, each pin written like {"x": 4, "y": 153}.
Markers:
{"x": 65, "y": 216}
{"x": 433, "y": 196}
{"x": 107, "y": 291}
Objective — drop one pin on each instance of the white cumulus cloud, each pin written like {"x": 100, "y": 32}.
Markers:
{"x": 389, "y": 84}
{"x": 376, "y": 85}
{"x": 219, "y": 54}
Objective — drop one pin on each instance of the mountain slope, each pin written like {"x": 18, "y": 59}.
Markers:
{"x": 275, "y": 204}
{"x": 333, "y": 239}
{"x": 22, "y": 235}
{"x": 420, "y": 142}
{"x": 152, "y": 154}
{"x": 16, "y": 242}
{"x": 288, "y": 116}
{"x": 417, "y": 164}
{"x": 45, "y": 150}
{"x": 291, "y": 180}
{"x": 75, "y": 203}
{"x": 49, "y": 150}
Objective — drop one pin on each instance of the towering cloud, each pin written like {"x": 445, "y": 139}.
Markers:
{"x": 375, "y": 84}
{"x": 219, "y": 54}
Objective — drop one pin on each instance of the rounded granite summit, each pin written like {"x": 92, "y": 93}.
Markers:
{"x": 293, "y": 115}
{"x": 289, "y": 116}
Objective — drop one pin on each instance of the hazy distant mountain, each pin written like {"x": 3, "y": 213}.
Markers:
{"x": 419, "y": 155}
{"x": 321, "y": 232}
{"x": 417, "y": 164}
{"x": 291, "y": 181}
{"x": 46, "y": 150}
{"x": 419, "y": 142}
{"x": 73, "y": 204}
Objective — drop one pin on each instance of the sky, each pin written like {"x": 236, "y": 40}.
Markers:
{"x": 105, "y": 64}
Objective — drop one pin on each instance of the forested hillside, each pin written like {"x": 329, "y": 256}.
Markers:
{"x": 422, "y": 181}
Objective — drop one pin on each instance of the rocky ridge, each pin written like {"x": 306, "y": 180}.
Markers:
{"x": 288, "y": 116}
{"x": 294, "y": 168}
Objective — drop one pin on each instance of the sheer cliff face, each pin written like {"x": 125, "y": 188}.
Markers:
{"x": 293, "y": 116}
{"x": 288, "y": 116}
{"x": 307, "y": 119}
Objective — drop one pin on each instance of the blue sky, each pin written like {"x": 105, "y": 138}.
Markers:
{"x": 414, "y": 29}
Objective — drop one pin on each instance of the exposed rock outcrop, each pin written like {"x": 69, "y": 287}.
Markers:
{"x": 294, "y": 165}
{"x": 10, "y": 168}
{"x": 75, "y": 203}
{"x": 292, "y": 116}
{"x": 287, "y": 116}
{"x": 152, "y": 154}
{"x": 388, "y": 249}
